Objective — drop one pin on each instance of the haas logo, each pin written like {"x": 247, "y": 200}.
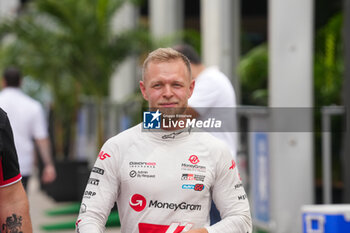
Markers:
{"x": 137, "y": 202}
{"x": 172, "y": 228}
{"x": 194, "y": 159}
{"x": 102, "y": 155}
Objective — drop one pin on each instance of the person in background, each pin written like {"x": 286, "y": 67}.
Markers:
{"x": 212, "y": 96}
{"x": 164, "y": 180}
{"x": 29, "y": 126}
{"x": 14, "y": 207}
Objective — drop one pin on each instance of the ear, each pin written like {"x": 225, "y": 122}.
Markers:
{"x": 191, "y": 88}
{"x": 143, "y": 90}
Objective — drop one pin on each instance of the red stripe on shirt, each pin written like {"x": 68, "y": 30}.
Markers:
{"x": 9, "y": 181}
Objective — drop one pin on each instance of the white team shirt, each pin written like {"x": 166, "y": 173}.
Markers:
{"x": 163, "y": 182}
{"x": 28, "y": 122}
{"x": 214, "y": 90}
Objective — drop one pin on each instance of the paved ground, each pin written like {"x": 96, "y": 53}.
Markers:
{"x": 40, "y": 202}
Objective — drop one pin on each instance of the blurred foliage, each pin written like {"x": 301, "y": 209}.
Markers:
{"x": 253, "y": 73}
{"x": 328, "y": 80}
{"x": 328, "y": 68}
{"x": 70, "y": 46}
{"x": 329, "y": 63}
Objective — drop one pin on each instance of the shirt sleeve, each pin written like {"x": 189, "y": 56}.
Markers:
{"x": 230, "y": 199}
{"x": 9, "y": 168}
{"x": 101, "y": 192}
{"x": 39, "y": 126}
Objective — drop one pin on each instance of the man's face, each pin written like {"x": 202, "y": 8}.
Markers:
{"x": 167, "y": 85}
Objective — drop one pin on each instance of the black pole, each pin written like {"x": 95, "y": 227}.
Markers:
{"x": 346, "y": 102}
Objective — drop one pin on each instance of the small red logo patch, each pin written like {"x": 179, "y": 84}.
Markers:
{"x": 102, "y": 155}
{"x": 198, "y": 187}
{"x": 194, "y": 159}
{"x": 137, "y": 202}
{"x": 233, "y": 165}
{"x": 77, "y": 222}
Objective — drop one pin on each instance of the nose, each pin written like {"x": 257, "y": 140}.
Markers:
{"x": 168, "y": 92}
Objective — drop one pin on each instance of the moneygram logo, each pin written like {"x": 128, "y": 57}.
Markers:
{"x": 138, "y": 202}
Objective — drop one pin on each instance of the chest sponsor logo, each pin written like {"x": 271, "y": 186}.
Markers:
{"x": 195, "y": 187}
{"x": 193, "y": 167}
{"x": 174, "y": 206}
{"x": 94, "y": 181}
{"x": 134, "y": 164}
{"x": 102, "y": 155}
{"x": 137, "y": 202}
{"x": 172, "y": 228}
{"x": 194, "y": 159}
{"x": 98, "y": 170}
{"x": 141, "y": 174}
{"x": 192, "y": 177}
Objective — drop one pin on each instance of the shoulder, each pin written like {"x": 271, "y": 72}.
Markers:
{"x": 212, "y": 143}
{"x": 125, "y": 138}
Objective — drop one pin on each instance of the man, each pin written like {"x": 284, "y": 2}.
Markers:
{"x": 163, "y": 181}
{"x": 213, "y": 96}
{"x": 28, "y": 122}
{"x": 14, "y": 207}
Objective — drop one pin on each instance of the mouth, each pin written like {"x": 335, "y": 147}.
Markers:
{"x": 168, "y": 105}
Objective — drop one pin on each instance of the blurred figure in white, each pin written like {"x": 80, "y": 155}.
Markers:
{"x": 29, "y": 127}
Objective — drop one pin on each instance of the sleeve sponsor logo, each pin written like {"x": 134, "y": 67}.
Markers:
{"x": 89, "y": 194}
{"x": 77, "y": 223}
{"x": 242, "y": 197}
{"x": 83, "y": 208}
{"x": 237, "y": 186}
{"x": 172, "y": 228}
{"x": 233, "y": 165}
{"x": 98, "y": 170}
{"x": 195, "y": 187}
{"x": 194, "y": 159}
{"x": 192, "y": 177}
{"x": 102, "y": 155}
{"x": 94, "y": 181}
